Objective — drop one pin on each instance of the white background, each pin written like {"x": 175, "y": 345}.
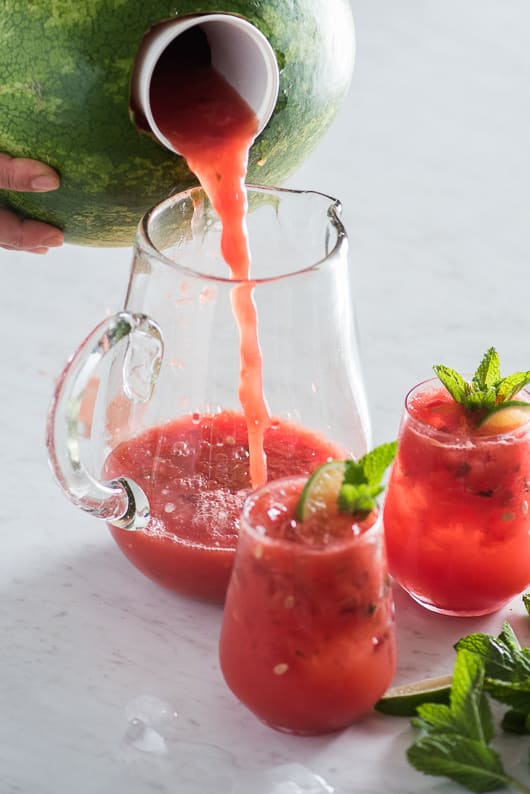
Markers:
{"x": 429, "y": 156}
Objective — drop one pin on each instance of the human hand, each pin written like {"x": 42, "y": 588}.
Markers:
{"x": 18, "y": 234}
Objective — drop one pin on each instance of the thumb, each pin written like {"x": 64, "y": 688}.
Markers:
{"x": 23, "y": 174}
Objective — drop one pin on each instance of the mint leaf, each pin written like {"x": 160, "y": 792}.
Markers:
{"x": 354, "y": 473}
{"x": 466, "y": 761}
{"x": 488, "y": 391}
{"x": 434, "y": 718}
{"x": 376, "y": 462}
{"x": 506, "y": 665}
{"x": 508, "y": 638}
{"x": 358, "y": 498}
{"x": 488, "y": 371}
{"x": 511, "y": 385}
{"x": 526, "y": 602}
{"x": 469, "y": 705}
{"x": 515, "y": 694}
{"x": 469, "y": 712}
{"x": 455, "y": 384}
{"x": 481, "y": 400}
{"x": 503, "y": 657}
{"x": 361, "y": 484}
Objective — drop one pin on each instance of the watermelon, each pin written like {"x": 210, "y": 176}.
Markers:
{"x": 65, "y": 100}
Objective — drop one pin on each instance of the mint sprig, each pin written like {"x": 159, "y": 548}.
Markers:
{"x": 361, "y": 484}
{"x": 488, "y": 390}
{"x": 467, "y": 761}
{"x": 456, "y": 744}
{"x": 456, "y": 739}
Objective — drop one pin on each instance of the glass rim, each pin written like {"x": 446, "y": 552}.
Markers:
{"x": 450, "y": 437}
{"x": 145, "y": 244}
{"x": 302, "y": 548}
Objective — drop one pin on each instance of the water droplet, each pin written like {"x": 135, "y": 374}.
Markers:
{"x": 284, "y": 779}
{"x": 180, "y": 449}
{"x": 207, "y": 295}
{"x": 149, "y": 721}
{"x": 143, "y": 738}
{"x": 151, "y": 709}
{"x": 275, "y": 511}
{"x": 169, "y": 507}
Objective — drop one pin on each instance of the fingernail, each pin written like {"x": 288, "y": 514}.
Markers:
{"x": 44, "y": 182}
{"x": 53, "y": 241}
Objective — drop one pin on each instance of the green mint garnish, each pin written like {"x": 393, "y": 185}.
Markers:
{"x": 361, "y": 484}
{"x": 488, "y": 391}
{"x": 455, "y": 740}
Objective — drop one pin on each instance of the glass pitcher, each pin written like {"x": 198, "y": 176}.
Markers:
{"x": 146, "y": 429}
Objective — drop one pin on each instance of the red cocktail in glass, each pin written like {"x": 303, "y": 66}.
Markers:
{"x": 307, "y": 641}
{"x": 456, "y": 518}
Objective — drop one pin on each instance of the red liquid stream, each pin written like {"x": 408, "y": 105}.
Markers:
{"x": 213, "y": 128}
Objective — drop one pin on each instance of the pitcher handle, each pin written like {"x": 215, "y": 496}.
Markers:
{"x": 120, "y": 501}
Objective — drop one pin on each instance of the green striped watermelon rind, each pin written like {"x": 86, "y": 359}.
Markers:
{"x": 64, "y": 100}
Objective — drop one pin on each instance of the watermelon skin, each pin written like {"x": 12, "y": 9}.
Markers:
{"x": 64, "y": 99}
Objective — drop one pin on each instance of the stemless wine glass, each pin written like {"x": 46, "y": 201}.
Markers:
{"x": 146, "y": 430}
{"x": 307, "y": 640}
{"x": 456, "y": 516}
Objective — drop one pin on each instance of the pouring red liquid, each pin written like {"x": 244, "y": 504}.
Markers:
{"x": 213, "y": 128}
{"x": 190, "y": 543}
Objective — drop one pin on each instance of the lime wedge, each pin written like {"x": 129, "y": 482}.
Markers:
{"x": 402, "y": 701}
{"x": 321, "y": 490}
{"x": 505, "y": 417}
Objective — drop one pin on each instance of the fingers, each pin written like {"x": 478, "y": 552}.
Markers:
{"x": 17, "y": 234}
{"x": 23, "y": 174}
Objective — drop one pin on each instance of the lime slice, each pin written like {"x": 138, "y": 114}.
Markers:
{"x": 402, "y": 701}
{"x": 505, "y": 417}
{"x": 321, "y": 490}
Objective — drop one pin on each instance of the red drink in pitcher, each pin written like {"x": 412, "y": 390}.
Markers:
{"x": 195, "y": 473}
{"x": 457, "y": 522}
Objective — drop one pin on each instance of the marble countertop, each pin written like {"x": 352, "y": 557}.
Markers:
{"x": 109, "y": 684}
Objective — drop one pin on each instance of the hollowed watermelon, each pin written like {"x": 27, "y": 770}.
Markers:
{"x": 65, "y": 94}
